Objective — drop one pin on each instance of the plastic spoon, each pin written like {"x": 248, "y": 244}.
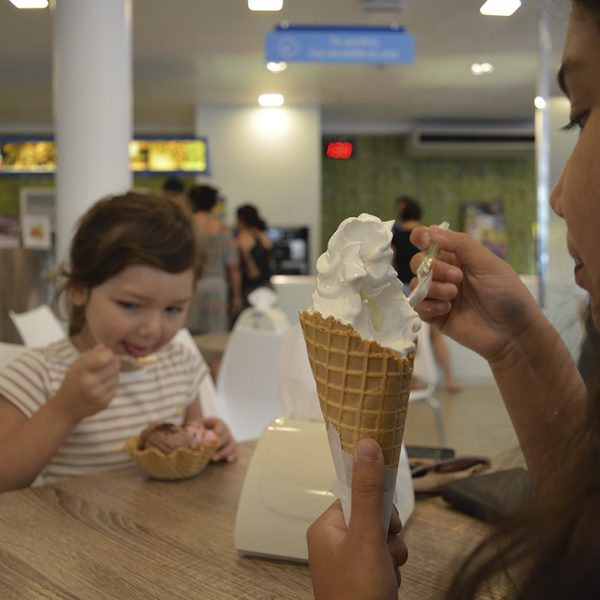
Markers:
{"x": 424, "y": 272}
{"x": 139, "y": 360}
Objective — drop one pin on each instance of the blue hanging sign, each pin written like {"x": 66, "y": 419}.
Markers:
{"x": 340, "y": 44}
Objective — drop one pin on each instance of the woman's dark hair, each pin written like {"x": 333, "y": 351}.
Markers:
{"x": 203, "y": 198}
{"x": 552, "y": 550}
{"x": 411, "y": 209}
{"x": 173, "y": 184}
{"x": 248, "y": 214}
{"x": 120, "y": 231}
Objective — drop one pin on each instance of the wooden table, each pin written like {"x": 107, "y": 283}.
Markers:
{"x": 123, "y": 536}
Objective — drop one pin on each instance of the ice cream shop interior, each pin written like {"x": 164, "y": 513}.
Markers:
{"x": 267, "y": 125}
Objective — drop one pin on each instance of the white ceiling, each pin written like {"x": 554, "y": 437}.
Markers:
{"x": 211, "y": 51}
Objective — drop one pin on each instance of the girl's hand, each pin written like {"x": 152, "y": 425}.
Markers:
{"x": 89, "y": 385}
{"x": 475, "y": 298}
{"x": 227, "y": 448}
{"x": 362, "y": 560}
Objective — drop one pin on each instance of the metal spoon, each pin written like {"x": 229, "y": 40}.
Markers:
{"x": 424, "y": 272}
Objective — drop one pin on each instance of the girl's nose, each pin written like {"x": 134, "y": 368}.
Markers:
{"x": 150, "y": 326}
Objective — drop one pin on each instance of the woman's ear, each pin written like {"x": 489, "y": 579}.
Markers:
{"x": 78, "y": 295}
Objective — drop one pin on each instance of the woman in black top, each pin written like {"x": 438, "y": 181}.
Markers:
{"x": 255, "y": 250}
{"x": 409, "y": 213}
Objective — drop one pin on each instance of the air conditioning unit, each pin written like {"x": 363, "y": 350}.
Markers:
{"x": 474, "y": 142}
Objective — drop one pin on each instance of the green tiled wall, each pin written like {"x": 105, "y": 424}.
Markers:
{"x": 10, "y": 186}
{"x": 382, "y": 169}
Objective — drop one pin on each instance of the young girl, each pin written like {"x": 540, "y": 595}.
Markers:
{"x": 67, "y": 409}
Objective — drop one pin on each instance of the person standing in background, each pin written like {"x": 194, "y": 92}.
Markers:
{"x": 408, "y": 216}
{"x": 221, "y": 274}
{"x": 255, "y": 250}
{"x": 174, "y": 188}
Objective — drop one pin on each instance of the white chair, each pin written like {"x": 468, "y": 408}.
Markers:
{"x": 8, "y": 352}
{"x": 296, "y": 384}
{"x": 209, "y": 399}
{"x": 426, "y": 372}
{"x": 247, "y": 381}
{"x": 38, "y": 327}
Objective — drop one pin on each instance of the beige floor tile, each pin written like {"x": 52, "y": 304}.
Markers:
{"x": 475, "y": 422}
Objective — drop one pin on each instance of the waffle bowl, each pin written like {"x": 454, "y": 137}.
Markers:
{"x": 181, "y": 463}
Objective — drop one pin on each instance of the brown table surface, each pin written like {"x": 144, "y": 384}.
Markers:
{"x": 121, "y": 535}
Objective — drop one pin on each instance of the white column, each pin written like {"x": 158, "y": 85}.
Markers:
{"x": 542, "y": 150}
{"x": 92, "y": 82}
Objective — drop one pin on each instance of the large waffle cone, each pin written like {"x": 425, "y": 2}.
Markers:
{"x": 181, "y": 463}
{"x": 363, "y": 388}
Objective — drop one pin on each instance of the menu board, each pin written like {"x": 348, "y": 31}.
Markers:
{"x": 146, "y": 155}
{"x": 168, "y": 155}
{"x": 32, "y": 156}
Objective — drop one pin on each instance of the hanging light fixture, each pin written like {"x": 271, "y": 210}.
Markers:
{"x": 500, "y": 8}
{"x": 265, "y": 4}
{"x": 271, "y": 100}
{"x": 30, "y": 3}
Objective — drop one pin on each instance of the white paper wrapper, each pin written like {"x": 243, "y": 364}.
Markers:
{"x": 342, "y": 488}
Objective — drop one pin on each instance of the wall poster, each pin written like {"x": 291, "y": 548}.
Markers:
{"x": 486, "y": 223}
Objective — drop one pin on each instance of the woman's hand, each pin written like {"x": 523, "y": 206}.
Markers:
{"x": 362, "y": 561}
{"x": 475, "y": 298}
{"x": 89, "y": 385}
{"x": 228, "y": 449}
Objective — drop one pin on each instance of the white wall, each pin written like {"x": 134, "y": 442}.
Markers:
{"x": 267, "y": 157}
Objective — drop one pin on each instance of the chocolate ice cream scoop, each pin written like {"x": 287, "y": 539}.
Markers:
{"x": 167, "y": 437}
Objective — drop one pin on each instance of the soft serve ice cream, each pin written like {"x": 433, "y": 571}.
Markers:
{"x": 360, "y": 335}
{"x": 357, "y": 284}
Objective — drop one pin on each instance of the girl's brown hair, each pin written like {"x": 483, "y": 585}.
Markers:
{"x": 121, "y": 231}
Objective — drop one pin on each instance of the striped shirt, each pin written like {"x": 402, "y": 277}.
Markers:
{"x": 160, "y": 391}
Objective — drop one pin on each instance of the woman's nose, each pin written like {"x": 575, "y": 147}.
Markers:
{"x": 556, "y": 194}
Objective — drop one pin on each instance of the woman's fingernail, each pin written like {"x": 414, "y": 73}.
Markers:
{"x": 367, "y": 450}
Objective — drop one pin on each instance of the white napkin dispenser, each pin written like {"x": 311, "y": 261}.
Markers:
{"x": 287, "y": 487}
{"x": 267, "y": 319}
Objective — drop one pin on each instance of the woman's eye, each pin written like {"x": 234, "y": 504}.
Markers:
{"x": 174, "y": 309}
{"x": 576, "y": 122}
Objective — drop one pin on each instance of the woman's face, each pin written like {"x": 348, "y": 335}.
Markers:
{"x": 576, "y": 196}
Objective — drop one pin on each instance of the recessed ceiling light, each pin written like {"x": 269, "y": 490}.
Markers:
{"x": 539, "y": 102}
{"x": 500, "y": 8}
{"x": 482, "y": 68}
{"x": 276, "y": 67}
{"x": 270, "y": 100}
{"x": 265, "y": 4}
{"x": 30, "y": 3}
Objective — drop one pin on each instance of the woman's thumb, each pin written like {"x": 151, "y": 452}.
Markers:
{"x": 367, "y": 489}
